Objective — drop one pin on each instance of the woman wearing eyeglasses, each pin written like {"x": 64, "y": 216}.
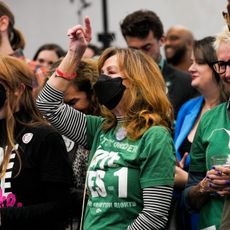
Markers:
{"x": 206, "y": 81}
{"x": 208, "y": 183}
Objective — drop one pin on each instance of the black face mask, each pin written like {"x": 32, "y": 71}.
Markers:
{"x": 2, "y": 96}
{"x": 109, "y": 90}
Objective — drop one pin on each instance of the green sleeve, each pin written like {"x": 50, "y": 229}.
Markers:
{"x": 157, "y": 158}
{"x": 93, "y": 125}
{"x": 197, "y": 154}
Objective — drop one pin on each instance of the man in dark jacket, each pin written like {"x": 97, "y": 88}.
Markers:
{"x": 143, "y": 30}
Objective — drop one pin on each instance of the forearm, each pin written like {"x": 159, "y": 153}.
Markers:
{"x": 79, "y": 38}
{"x": 199, "y": 194}
{"x": 154, "y": 215}
{"x": 68, "y": 66}
{"x": 181, "y": 177}
{"x": 197, "y": 191}
{"x": 66, "y": 120}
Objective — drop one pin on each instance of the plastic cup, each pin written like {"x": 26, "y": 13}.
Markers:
{"x": 221, "y": 160}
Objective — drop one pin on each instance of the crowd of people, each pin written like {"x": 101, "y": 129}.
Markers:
{"x": 120, "y": 138}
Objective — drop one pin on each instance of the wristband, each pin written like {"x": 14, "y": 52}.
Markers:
{"x": 59, "y": 73}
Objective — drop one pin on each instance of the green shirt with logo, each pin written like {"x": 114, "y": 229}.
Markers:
{"x": 212, "y": 139}
{"x": 119, "y": 169}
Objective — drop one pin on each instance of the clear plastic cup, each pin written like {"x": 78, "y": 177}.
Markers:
{"x": 222, "y": 160}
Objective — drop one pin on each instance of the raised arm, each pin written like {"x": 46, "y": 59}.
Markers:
{"x": 79, "y": 38}
{"x": 65, "y": 119}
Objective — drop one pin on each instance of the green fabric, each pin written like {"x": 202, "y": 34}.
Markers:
{"x": 225, "y": 222}
{"x": 212, "y": 138}
{"x": 161, "y": 63}
{"x": 119, "y": 170}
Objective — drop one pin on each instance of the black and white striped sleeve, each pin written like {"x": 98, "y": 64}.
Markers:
{"x": 155, "y": 213}
{"x": 66, "y": 120}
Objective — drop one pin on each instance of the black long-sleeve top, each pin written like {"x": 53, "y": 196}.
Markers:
{"x": 39, "y": 196}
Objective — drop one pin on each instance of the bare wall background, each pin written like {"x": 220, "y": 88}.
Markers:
{"x": 44, "y": 21}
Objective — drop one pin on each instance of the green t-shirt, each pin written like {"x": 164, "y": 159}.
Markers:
{"x": 212, "y": 138}
{"x": 119, "y": 170}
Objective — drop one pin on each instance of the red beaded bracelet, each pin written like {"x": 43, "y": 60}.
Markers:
{"x": 59, "y": 73}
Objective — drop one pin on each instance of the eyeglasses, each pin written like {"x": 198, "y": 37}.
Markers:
{"x": 220, "y": 66}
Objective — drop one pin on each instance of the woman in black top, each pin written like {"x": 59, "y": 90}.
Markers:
{"x": 35, "y": 171}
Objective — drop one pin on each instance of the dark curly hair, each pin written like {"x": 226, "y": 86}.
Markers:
{"x": 140, "y": 23}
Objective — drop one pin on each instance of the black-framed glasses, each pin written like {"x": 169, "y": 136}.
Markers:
{"x": 220, "y": 66}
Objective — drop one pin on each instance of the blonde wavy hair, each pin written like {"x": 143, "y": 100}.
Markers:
{"x": 145, "y": 101}
{"x": 222, "y": 37}
{"x": 14, "y": 74}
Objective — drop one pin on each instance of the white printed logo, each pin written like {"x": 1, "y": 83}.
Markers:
{"x": 27, "y": 137}
{"x": 213, "y": 227}
{"x": 68, "y": 143}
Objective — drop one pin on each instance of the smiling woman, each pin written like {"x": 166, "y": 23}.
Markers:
{"x": 48, "y": 54}
{"x": 208, "y": 184}
{"x": 208, "y": 83}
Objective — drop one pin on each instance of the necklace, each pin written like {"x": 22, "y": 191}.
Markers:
{"x": 121, "y": 134}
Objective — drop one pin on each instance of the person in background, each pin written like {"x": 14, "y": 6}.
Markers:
{"x": 92, "y": 51}
{"x": 178, "y": 47}
{"x": 43, "y": 59}
{"x": 225, "y": 221}
{"x": 207, "y": 82}
{"x": 80, "y": 95}
{"x": 143, "y": 30}
{"x": 48, "y": 54}
{"x": 36, "y": 174}
{"x": 11, "y": 39}
{"x": 12, "y": 42}
{"x": 208, "y": 184}
{"x": 132, "y": 159}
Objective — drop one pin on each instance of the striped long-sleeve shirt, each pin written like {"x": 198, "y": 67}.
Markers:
{"x": 72, "y": 124}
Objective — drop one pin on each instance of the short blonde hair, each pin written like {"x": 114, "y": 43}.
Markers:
{"x": 222, "y": 37}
